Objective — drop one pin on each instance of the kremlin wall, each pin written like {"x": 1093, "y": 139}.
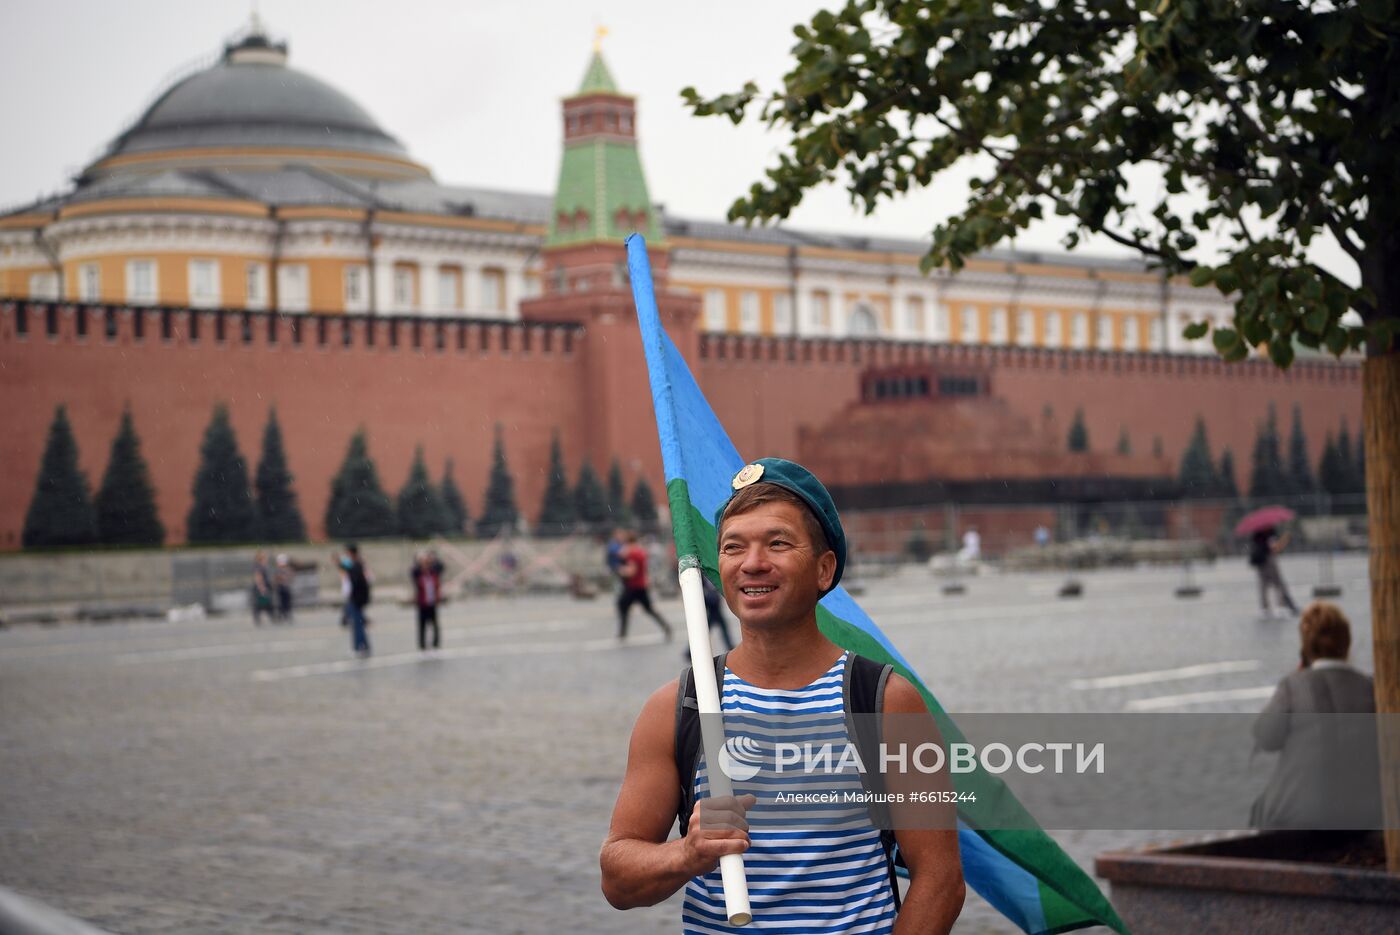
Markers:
{"x": 214, "y": 255}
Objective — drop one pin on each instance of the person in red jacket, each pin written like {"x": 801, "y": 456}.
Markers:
{"x": 427, "y": 588}
{"x": 633, "y": 572}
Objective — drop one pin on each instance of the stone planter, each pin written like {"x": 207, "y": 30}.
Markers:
{"x": 1275, "y": 882}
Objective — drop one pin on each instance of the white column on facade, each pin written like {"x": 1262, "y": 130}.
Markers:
{"x": 513, "y": 287}
{"x": 384, "y": 285}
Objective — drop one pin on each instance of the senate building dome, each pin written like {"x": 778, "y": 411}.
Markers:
{"x": 251, "y": 109}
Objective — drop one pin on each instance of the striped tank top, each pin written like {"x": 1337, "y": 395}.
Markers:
{"x": 813, "y": 869}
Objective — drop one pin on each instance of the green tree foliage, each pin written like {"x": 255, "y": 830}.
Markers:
{"x": 1078, "y": 435}
{"x": 223, "y": 509}
{"x": 420, "y": 509}
{"x": 456, "y": 515}
{"x": 1267, "y": 477}
{"x": 1125, "y": 445}
{"x": 618, "y": 510}
{"x": 1300, "y": 475}
{"x": 60, "y": 511}
{"x": 1228, "y": 487}
{"x": 499, "y": 512}
{"x": 1198, "y": 477}
{"x": 557, "y": 510}
{"x": 1258, "y": 121}
{"x": 278, "y": 511}
{"x": 358, "y": 507}
{"x": 126, "y": 499}
{"x": 643, "y": 505}
{"x": 590, "y": 501}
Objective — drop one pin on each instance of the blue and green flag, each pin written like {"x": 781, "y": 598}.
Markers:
{"x": 1006, "y": 857}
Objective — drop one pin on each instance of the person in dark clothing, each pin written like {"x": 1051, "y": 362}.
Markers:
{"x": 262, "y": 596}
{"x": 357, "y": 576}
{"x": 427, "y": 590}
{"x": 283, "y": 577}
{"x": 633, "y": 571}
{"x": 714, "y": 611}
{"x": 1263, "y": 555}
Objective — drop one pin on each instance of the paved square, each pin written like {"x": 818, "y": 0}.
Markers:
{"x": 216, "y": 777}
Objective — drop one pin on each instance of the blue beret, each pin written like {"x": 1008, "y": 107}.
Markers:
{"x": 794, "y": 477}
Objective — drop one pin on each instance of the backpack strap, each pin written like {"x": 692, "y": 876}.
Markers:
{"x": 687, "y": 738}
{"x": 864, "y": 693}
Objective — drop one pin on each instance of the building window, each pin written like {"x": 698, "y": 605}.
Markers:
{"x": 914, "y": 316}
{"x": 255, "y": 285}
{"x": 449, "y": 289}
{"x": 942, "y": 322}
{"x": 864, "y": 322}
{"x": 782, "y": 312}
{"x": 1130, "y": 333}
{"x": 493, "y": 290}
{"x": 821, "y": 312}
{"x": 43, "y": 286}
{"x": 997, "y": 326}
{"x": 90, "y": 283}
{"x": 715, "y": 312}
{"x": 1054, "y": 336}
{"x": 204, "y": 283}
{"x": 1025, "y": 328}
{"x": 141, "y": 281}
{"x": 357, "y": 288}
{"x": 1103, "y": 331}
{"x": 405, "y": 288}
{"x": 967, "y": 324}
{"x": 292, "y": 292}
{"x": 748, "y": 312}
{"x": 1079, "y": 330}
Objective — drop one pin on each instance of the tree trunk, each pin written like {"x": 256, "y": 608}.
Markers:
{"x": 1381, "y": 418}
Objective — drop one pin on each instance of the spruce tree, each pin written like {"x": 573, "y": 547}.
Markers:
{"x": 278, "y": 511}
{"x": 618, "y": 511}
{"x": 223, "y": 509}
{"x": 1331, "y": 471}
{"x": 643, "y": 505}
{"x": 499, "y": 510}
{"x": 1228, "y": 487}
{"x": 358, "y": 507}
{"x": 1125, "y": 446}
{"x": 455, "y": 516}
{"x": 1353, "y": 462}
{"x": 590, "y": 501}
{"x": 421, "y": 512}
{"x": 1198, "y": 477}
{"x": 60, "y": 511}
{"x": 1156, "y": 446}
{"x": 1300, "y": 475}
{"x": 1078, "y": 434}
{"x": 1266, "y": 477}
{"x": 557, "y": 514}
{"x": 126, "y": 500}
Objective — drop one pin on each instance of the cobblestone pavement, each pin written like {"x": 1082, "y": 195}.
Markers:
{"x": 216, "y": 777}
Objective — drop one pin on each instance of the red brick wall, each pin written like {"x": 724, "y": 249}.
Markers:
{"x": 450, "y": 400}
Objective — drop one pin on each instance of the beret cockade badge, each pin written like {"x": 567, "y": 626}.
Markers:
{"x": 749, "y": 475}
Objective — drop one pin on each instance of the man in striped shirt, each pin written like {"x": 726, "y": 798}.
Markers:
{"x": 781, "y": 548}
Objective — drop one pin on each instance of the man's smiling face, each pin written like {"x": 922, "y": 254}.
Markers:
{"x": 769, "y": 566}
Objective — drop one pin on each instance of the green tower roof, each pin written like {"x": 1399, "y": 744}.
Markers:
{"x": 597, "y": 80}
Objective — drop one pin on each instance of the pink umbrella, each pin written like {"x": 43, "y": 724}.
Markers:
{"x": 1265, "y": 518}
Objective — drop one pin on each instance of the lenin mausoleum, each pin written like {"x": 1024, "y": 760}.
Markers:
{"x": 255, "y": 239}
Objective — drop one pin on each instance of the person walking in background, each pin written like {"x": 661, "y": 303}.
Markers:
{"x": 1328, "y": 773}
{"x": 427, "y": 590}
{"x": 1264, "y": 547}
{"x": 357, "y": 599}
{"x": 262, "y": 594}
{"x": 714, "y": 614}
{"x": 613, "y": 557}
{"x": 633, "y": 572}
{"x": 282, "y": 577}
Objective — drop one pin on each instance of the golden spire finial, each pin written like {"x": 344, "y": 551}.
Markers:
{"x": 598, "y": 33}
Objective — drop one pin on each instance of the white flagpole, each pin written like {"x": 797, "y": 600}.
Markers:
{"x": 697, "y": 628}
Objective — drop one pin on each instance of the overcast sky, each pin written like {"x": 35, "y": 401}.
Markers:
{"x": 472, "y": 89}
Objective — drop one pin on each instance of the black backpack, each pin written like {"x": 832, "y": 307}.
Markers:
{"x": 863, "y": 692}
